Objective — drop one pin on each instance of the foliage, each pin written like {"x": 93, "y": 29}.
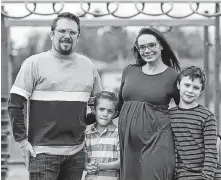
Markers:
{"x": 187, "y": 44}
{"x": 115, "y": 44}
{"x": 109, "y": 44}
{"x": 103, "y": 44}
{"x": 32, "y": 47}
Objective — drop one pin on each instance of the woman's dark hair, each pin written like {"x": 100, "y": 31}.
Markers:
{"x": 168, "y": 56}
{"x": 65, "y": 15}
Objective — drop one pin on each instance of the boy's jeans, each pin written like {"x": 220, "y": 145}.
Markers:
{"x": 56, "y": 167}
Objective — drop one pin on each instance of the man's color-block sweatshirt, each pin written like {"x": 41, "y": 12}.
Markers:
{"x": 58, "y": 89}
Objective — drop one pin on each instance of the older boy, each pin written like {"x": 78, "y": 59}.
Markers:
{"x": 102, "y": 141}
{"x": 194, "y": 128}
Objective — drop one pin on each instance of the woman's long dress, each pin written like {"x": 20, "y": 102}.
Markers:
{"x": 146, "y": 142}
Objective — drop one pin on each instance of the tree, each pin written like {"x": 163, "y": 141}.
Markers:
{"x": 186, "y": 44}
{"x": 110, "y": 44}
{"x": 33, "y": 46}
{"x": 115, "y": 44}
{"x": 88, "y": 43}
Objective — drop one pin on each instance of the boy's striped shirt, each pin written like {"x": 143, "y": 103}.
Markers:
{"x": 195, "y": 136}
{"x": 103, "y": 147}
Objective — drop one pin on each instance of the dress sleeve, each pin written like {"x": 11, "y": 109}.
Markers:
{"x": 171, "y": 87}
{"x": 120, "y": 96}
{"x": 211, "y": 154}
{"x": 176, "y": 94}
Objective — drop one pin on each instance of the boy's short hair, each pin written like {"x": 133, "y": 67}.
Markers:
{"x": 107, "y": 95}
{"x": 193, "y": 72}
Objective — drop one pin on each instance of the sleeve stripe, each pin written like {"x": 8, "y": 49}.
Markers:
{"x": 19, "y": 91}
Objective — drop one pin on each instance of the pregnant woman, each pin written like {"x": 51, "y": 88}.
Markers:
{"x": 146, "y": 142}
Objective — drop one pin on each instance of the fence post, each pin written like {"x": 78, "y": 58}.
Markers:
{"x": 217, "y": 68}
{"x": 217, "y": 72}
{"x": 4, "y": 97}
{"x": 206, "y": 65}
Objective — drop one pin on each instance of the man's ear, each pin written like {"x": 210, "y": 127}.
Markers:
{"x": 51, "y": 34}
{"x": 78, "y": 37}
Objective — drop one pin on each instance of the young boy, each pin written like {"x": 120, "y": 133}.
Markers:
{"x": 194, "y": 128}
{"x": 102, "y": 141}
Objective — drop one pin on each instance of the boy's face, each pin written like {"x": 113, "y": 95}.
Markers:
{"x": 189, "y": 90}
{"x": 105, "y": 111}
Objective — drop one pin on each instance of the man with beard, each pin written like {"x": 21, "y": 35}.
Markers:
{"x": 56, "y": 85}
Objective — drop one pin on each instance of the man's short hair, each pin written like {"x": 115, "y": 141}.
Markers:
{"x": 65, "y": 15}
{"x": 193, "y": 72}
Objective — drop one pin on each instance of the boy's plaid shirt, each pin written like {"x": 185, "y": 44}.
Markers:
{"x": 103, "y": 147}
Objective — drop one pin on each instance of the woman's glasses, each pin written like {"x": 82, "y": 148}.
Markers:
{"x": 150, "y": 46}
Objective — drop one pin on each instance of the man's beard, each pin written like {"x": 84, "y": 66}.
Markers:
{"x": 67, "y": 51}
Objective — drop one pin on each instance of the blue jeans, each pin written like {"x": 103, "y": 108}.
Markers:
{"x": 56, "y": 167}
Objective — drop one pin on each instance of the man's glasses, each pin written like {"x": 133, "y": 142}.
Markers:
{"x": 63, "y": 32}
{"x": 150, "y": 46}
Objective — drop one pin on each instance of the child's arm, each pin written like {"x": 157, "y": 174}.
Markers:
{"x": 211, "y": 154}
{"x": 89, "y": 166}
{"x": 86, "y": 159}
{"x": 115, "y": 165}
{"x": 85, "y": 153}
